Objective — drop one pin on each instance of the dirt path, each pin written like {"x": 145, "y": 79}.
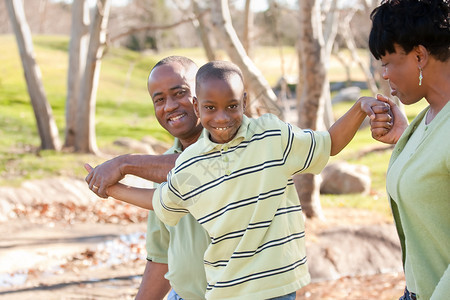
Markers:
{"x": 77, "y": 246}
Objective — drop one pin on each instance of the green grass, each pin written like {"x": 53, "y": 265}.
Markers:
{"x": 124, "y": 109}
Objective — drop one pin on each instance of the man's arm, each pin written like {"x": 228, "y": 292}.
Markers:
{"x": 141, "y": 197}
{"x": 345, "y": 128}
{"x": 153, "y": 285}
{"x": 150, "y": 167}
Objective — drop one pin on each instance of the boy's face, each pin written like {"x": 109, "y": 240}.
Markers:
{"x": 170, "y": 87}
{"x": 220, "y": 105}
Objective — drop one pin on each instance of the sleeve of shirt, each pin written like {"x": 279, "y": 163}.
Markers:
{"x": 307, "y": 151}
{"x": 442, "y": 290}
{"x": 168, "y": 203}
{"x": 157, "y": 240}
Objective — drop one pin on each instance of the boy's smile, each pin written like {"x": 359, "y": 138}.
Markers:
{"x": 220, "y": 105}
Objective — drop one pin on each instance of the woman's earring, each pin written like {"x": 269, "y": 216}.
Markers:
{"x": 420, "y": 76}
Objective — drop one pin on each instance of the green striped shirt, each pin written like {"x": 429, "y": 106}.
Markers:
{"x": 243, "y": 194}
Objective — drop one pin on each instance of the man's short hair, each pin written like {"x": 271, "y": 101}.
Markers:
{"x": 182, "y": 60}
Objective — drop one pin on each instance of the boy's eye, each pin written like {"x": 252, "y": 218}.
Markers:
{"x": 209, "y": 107}
{"x": 233, "y": 106}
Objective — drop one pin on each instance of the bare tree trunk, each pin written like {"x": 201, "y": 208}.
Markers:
{"x": 345, "y": 64}
{"x": 254, "y": 78}
{"x": 312, "y": 64}
{"x": 202, "y": 29}
{"x": 248, "y": 28}
{"x": 350, "y": 42}
{"x": 48, "y": 131}
{"x": 331, "y": 22}
{"x": 85, "y": 140}
{"x": 42, "y": 15}
{"x": 79, "y": 40}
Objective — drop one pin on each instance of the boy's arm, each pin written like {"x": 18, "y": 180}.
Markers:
{"x": 137, "y": 196}
{"x": 151, "y": 167}
{"x": 141, "y": 197}
{"x": 344, "y": 129}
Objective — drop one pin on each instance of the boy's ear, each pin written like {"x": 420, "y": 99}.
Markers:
{"x": 195, "y": 103}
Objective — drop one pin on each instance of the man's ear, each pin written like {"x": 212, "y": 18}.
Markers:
{"x": 245, "y": 100}
{"x": 195, "y": 103}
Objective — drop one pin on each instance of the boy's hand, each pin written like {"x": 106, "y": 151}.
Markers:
{"x": 379, "y": 114}
{"x": 398, "y": 123}
{"x": 103, "y": 176}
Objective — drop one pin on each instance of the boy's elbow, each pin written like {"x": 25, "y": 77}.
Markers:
{"x": 334, "y": 151}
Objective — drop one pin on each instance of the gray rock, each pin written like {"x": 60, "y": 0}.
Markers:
{"x": 345, "y": 178}
{"x": 351, "y": 93}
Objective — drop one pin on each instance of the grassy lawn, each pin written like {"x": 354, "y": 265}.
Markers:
{"x": 124, "y": 110}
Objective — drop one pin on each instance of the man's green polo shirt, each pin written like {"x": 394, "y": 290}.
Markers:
{"x": 181, "y": 247}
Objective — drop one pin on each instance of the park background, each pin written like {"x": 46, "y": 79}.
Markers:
{"x": 62, "y": 240}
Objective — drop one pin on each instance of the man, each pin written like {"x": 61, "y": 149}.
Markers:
{"x": 171, "y": 84}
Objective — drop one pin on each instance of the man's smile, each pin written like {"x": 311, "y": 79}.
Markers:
{"x": 175, "y": 118}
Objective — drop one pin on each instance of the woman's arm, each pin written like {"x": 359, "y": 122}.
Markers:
{"x": 399, "y": 124}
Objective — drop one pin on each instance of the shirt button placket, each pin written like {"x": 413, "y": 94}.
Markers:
{"x": 225, "y": 160}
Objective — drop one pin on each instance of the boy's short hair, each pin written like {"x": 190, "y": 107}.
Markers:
{"x": 217, "y": 69}
{"x": 410, "y": 23}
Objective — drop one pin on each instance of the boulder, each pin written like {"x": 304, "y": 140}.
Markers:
{"x": 134, "y": 145}
{"x": 345, "y": 178}
{"x": 351, "y": 93}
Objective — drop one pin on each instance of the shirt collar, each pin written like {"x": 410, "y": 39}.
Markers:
{"x": 176, "y": 147}
{"x": 206, "y": 145}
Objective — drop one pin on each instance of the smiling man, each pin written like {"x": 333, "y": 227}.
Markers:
{"x": 175, "y": 252}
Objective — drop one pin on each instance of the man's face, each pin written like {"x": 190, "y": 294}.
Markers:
{"x": 170, "y": 87}
{"x": 220, "y": 105}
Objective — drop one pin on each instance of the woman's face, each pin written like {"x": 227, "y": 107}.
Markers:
{"x": 402, "y": 72}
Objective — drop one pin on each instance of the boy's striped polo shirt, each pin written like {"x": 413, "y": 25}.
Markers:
{"x": 243, "y": 194}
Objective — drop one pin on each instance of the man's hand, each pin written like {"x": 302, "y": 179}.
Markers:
{"x": 103, "y": 176}
{"x": 398, "y": 123}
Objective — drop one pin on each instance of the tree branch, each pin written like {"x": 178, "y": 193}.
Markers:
{"x": 156, "y": 27}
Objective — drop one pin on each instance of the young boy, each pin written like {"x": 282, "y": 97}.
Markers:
{"x": 236, "y": 180}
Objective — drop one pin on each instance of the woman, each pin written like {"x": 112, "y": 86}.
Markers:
{"x": 412, "y": 39}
